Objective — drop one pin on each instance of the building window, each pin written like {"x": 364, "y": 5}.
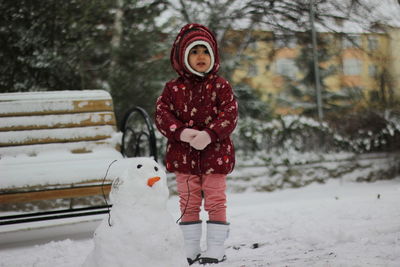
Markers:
{"x": 372, "y": 70}
{"x": 351, "y": 41}
{"x": 352, "y": 66}
{"x": 372, "y": 43}
{"x": 286, "y": 67}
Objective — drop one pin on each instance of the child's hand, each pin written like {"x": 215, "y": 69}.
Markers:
{"x": 188, "y": 134}
{"x": 201, "y": 140}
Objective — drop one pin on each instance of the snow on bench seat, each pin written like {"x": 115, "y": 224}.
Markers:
{"x": 56, "y": 168}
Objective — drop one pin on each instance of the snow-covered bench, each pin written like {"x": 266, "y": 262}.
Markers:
{"x": 56, "y": 144}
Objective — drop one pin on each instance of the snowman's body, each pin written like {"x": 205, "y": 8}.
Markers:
{"x": 142, "y": 232}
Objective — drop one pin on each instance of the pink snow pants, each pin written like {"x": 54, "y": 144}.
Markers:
{"x": 190, "y": 187}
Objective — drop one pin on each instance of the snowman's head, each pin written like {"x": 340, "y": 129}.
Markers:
{"x": 143, "y": 181}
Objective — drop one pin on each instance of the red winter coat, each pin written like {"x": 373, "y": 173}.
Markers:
{"x": 202, "y": 103}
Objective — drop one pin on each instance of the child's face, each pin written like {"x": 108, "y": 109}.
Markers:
{"x": 199, "y": 58}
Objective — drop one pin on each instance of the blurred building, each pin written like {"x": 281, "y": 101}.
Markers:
{"x": 357, "y": 68}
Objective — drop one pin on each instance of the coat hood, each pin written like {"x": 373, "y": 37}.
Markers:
{"x": 189, "y": 36}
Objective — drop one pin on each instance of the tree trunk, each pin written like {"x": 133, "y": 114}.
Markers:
{"x": 117, "y": 33}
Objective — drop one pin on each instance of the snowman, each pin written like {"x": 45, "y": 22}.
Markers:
{"x": 140, "y": 231}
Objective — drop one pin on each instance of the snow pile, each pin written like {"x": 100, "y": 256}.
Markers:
{"x": 140, "y": 231}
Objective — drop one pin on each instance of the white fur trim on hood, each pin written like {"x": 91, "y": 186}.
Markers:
{"x": 210, "y": 51}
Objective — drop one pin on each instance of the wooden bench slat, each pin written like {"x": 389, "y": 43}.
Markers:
{"x": 56, "y": 95}
{"x": 51, "y": 107}
{"x": 65, "y": 135}
{"x": 56, "y": 121}
{"x": 55, "y": 194}
{"x": 73, "y": 147}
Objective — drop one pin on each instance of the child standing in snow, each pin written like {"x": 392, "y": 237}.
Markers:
{"x": 197, "y": 112}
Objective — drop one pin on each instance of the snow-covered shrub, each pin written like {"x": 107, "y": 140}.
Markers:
{"x": 296, "y": 139}
{"x": 366, "y": 132}
{"x": 287, "y": 133}
{"x": 370, "y": 131}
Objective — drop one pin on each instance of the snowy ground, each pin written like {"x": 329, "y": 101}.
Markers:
{"x": 335, "y": 224}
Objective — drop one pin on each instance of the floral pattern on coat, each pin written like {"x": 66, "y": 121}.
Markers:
{"x": 204, "y": 105}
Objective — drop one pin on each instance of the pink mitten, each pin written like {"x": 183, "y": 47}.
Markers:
{"x": 188, "y": 134}
{"x": 201, "y": 140}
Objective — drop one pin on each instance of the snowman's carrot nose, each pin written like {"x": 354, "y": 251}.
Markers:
{"x": 153, "y": 180}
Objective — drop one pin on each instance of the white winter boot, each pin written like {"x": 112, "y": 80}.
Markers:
{"x": 217, "y": 233}
{"x": 192, "y": 235}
